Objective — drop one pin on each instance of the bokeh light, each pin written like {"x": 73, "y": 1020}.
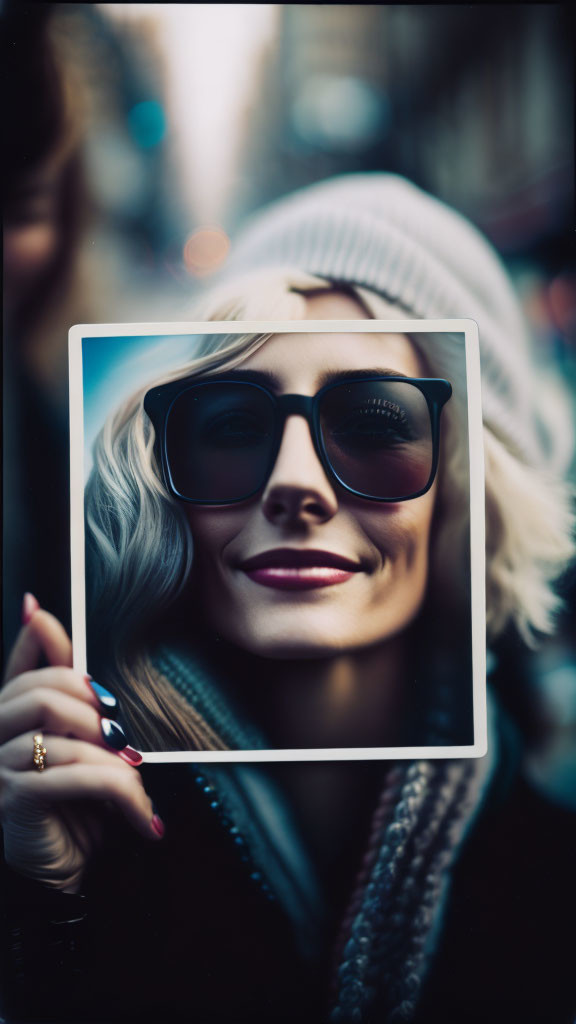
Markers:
{"x": 341, "y": 112}
{"x": 147, "y": 123}
{"x": 206, "y": 250}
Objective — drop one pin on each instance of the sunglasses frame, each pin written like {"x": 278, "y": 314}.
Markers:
{"x": 158, "y": 403}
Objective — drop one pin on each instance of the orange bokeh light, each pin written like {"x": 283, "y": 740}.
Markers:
{"x": 206, "y": 250}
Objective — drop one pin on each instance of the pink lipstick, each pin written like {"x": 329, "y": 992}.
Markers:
{"x": 297, "y": 569}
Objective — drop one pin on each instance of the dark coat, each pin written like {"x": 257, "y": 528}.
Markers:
{"x": 187, "y": 930}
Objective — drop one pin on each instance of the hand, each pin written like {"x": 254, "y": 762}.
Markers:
{"x": 53, "y": 819}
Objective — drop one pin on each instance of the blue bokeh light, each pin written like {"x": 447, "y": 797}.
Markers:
{"x": 147, "y": 123}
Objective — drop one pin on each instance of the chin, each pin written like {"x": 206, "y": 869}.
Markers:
{"x": 290, "y": 644}
{"x": 309, "y": 632}
{"x": 294, "y": 650}
{"x": 304, "y": 644}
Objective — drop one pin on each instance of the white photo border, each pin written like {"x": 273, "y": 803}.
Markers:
{"x": 469, "y": 329}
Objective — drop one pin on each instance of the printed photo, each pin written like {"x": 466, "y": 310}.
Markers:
{"x": 278, "y": 537}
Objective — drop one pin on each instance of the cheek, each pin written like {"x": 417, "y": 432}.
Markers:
{"x": 402, "y": 536}
{"x": 400, "y": 533}
{"x": 399, "y": 589}
{"x": 206, "y": 542}
{"x": 212, "y": 530}
{"x": 214, "y": 533}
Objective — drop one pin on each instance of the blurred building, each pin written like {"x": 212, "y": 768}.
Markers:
{"x": 127, "y": 156}
{"x": 472, "y": 102}
{"x": 325, "y": 105}
{"x": 484, "y": 115}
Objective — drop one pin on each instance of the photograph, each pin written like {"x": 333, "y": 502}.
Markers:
{"x": 220, "y": 542}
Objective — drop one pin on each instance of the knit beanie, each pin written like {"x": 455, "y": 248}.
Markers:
{"x": 381, "y": 232}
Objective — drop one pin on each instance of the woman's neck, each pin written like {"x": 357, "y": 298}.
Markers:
{"x": 356, "y": 699}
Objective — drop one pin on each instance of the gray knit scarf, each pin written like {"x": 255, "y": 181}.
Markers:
{"x": 389, "y": 933}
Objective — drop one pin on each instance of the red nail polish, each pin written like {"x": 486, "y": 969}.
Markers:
{"x": 87, "y": 679}
{"x": 158, "y": 825}
{"x": 29, "y": 606}
{"x": 130, "y": 755}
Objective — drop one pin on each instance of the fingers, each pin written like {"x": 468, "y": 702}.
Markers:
{"x": 65, "y": 680}
{"x": 16, "y": 754}
{"x": 62, "y": 701}
{"x": 42, "y": 636}
{"x": 45, "y": 710}
{"x": 87, "y": 755}
{"x": 116, "y": 783}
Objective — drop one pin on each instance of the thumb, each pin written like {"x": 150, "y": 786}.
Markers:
{"x": 43, "y": 635}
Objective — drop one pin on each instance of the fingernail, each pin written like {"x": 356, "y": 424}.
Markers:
{"x": 113, "y": 734}
{"x": 29, "y": 606}
{"x": 104, "y": 696}
{"x": 130, "y": 755}
{"x": 158, "y": 826}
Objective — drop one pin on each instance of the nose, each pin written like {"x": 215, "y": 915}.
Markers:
{"x": 298, "y": 490}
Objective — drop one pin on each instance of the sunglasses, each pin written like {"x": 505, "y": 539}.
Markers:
{"x": 377, "y": 437}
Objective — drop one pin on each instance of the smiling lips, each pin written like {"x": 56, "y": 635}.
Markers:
{"x": 292, "y": 569}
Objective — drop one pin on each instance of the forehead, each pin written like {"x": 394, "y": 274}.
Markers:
{"x": 300, "y": 361}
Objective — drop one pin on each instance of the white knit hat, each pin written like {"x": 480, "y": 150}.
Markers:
{"x": 382, "y": 232}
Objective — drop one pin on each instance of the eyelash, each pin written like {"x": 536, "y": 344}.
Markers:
{"x": 383, "y": 406}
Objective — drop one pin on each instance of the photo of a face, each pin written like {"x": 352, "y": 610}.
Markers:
{"x": 278, "y": 537}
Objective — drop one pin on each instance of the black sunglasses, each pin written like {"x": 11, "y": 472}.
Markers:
{"x": 217, "y": 439}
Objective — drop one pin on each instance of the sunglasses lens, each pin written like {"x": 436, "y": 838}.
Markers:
{"x": 219, "y": 441}
{"x": 377, "y": 436}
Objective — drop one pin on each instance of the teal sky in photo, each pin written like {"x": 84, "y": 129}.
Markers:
{"x": 115, "y": 367}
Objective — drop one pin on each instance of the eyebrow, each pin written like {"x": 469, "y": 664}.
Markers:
{"x": 273, "y": 382}
{"x": 334, "y": 376}
{"x": 264, "y": 377}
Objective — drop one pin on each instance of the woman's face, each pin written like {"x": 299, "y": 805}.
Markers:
{"x": 318, "y": 609}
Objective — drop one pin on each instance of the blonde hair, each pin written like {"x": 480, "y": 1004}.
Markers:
{"x": 140, "y": 547}
{"x": 529, "y": 519}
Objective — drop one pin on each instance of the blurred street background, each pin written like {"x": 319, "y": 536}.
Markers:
{"x": 193, "y": 115}
{"x": 196, "y": 114}
{"x": 202, "y": 113}
{"x": 185, "y": 118}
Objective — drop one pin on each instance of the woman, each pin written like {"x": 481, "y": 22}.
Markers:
{"x": 298, "y": 891}
{"x": 45, "y": 207}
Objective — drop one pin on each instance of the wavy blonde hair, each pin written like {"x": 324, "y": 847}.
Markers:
{"x": 140, "y": 549}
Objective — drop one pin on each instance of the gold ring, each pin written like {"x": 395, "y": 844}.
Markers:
{"x": 39, "y": 752}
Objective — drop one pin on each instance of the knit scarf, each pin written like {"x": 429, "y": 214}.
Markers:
{"x": 390, "y": 931}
